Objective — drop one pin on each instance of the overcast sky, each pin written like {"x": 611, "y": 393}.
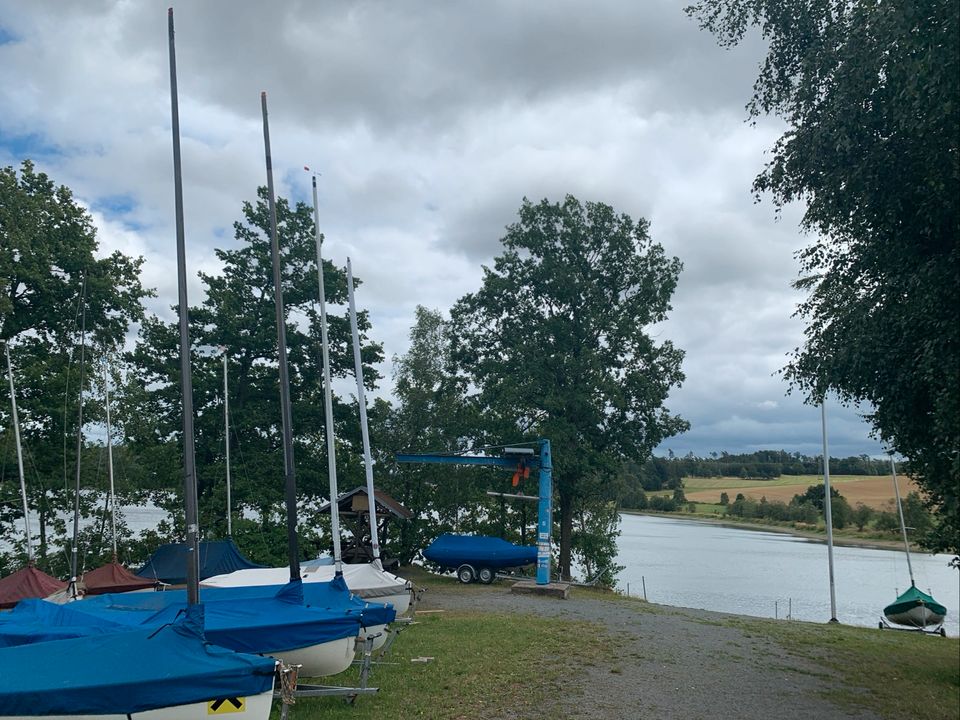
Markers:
{"x": 430, "y": 122}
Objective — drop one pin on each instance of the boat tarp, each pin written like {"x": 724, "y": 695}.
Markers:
{"x": 452, "y": 551}
{"x": 913, "y": 597}
{"x": 331, "y": 596}
{"x": 257, "y": 625}
{"x": 365, "y": 580}
{"x": 113, "y": 578}
{"x": 28, "y": 582}
{"x": 168, "y": 563}
{"x": 127, "y": 672}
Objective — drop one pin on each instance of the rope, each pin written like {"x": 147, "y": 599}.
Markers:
{"x": 288, "y": 683}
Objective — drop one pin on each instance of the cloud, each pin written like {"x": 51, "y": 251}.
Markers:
{"x": 429, "y": 123}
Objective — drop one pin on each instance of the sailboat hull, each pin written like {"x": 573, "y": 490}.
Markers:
{"x": 915, "y": 609}
{"x": 255, "y": 707}
{"x": 329, "y": 658}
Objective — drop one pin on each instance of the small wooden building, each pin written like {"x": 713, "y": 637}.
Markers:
{"x": 354, "y": 509}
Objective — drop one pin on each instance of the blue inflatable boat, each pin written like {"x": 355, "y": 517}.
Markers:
{"x": 478, "y": 557}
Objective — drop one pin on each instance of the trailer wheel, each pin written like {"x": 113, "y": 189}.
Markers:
{"x": 466, "y": 574}
{"x": 487, "y": 575}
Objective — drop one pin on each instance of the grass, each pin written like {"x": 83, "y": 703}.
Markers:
{"x": 484, "y": 664}
{"x": 896, "y": 674}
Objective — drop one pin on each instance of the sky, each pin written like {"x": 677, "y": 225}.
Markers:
{"x": 429, "y": 123}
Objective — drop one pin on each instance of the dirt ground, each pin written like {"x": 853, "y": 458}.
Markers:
{"x": 668, "y": 663}
{"x": 876, "y": 492}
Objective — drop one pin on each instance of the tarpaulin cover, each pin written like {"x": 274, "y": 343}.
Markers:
{"x": 331, "y": 596}
{"x": 452, "y": 551}
{"x": 113, "y": 578}
{"x": 257, "y": 625}
{"x": 169, "y": 562}
{"x": 27, "y": 582}
{"x": 127, "y": 672}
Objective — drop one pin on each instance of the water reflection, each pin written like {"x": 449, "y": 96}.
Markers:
{"x": 702, "y": 565}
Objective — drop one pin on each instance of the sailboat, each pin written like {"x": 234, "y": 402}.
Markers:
{"x": 913, "y": 609}
{"x": 368, "y": 581}
{"x": 29, "y": 581}
{"x": 166, "y": 673}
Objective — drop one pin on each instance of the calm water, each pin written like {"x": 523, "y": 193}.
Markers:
{"x": 701, "y": 565}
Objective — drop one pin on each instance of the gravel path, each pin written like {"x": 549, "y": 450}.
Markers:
{"x": 668, "y": 663}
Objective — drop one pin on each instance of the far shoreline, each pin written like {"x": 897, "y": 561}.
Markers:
{"x": 817, "y": 537}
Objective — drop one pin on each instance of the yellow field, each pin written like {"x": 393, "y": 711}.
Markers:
{"x": 874, "y": 491}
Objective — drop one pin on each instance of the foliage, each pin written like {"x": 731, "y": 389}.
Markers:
{"x": 237, "y": 316}
{"x": 815, "y": 495}
{"x": 869, "y": 92}
{"x": 555, "y": 342}
{"x": 52, "y": 281}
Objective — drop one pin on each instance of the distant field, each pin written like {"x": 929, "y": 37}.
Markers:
{"x": 874, "y": 491}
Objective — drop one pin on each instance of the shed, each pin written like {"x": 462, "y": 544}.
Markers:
{"x": 354, "y": 508}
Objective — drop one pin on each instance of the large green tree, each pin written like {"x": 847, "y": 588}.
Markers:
{"x": 48, "y": 253}
{"x": 237, "y": 314}
{"x": 557, "y": 343}
{"x": 869, "y": 91}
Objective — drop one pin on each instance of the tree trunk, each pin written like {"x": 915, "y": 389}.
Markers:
{"x": 566, "y": 533}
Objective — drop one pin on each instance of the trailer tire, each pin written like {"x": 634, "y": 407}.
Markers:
{"x": 466, "y": 574}
{"x": 487, "y": 575}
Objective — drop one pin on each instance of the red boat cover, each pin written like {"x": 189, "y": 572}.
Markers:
{"x": 27, "y": 583}
{"x": 113, "y": 577}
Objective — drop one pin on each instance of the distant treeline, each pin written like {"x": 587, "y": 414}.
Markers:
{"x": 660, "y": 473}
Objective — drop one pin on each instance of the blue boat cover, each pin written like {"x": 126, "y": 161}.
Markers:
{"x": 127, "y": 672}
{"x": 257, "y": 625}
{"x": 332, "y": 595}
{"x": 452, "y": 551}
{"x": 169, "y": 562}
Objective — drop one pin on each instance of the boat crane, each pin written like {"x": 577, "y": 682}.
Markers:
{"x": 521, "y": 460}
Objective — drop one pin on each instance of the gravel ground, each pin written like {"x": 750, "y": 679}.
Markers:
{"x": 668, "y": 663}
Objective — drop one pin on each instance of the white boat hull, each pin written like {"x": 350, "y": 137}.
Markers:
{"x": 329, "y": 658}
{"x": 255, "y": 707}
{"x": 920, "y": 616}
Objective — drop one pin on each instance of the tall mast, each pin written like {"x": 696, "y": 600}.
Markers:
{"x": 76, "y": 497}
{"x": 362, "y": 402}
{"x": 290, "y": 485}
{"x": 327, "y": 395}
{"x": 113, "y": 496}
{"x": 827, "y": 510}
{"x": 16, "y": 436}
{"x": 903, "y": 525}
{"x": 226, "y": 433}
{"x": 186, "y": 381}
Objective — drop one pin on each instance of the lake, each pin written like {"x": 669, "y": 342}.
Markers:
{"x": 702, "y": 565}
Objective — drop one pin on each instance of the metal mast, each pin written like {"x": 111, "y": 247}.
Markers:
{"x": 186, "y": 381}
{"x": 16, "y": 436}
{"x": 290, "y": 492}
{"x": 327, "y": 395}
{"x": 76, "y": 498}
{"x": 903, "y": 525}
{"x": 827, "y": 510}
{"x": 113, "y": 496}
{"x": 362, "y": 402}
{"x": 226, "y": 432}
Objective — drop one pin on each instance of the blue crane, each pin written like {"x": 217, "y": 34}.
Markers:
{"x": 518, "y": 459}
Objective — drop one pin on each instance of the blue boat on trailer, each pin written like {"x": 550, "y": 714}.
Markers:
{"x": 478, "y": 557}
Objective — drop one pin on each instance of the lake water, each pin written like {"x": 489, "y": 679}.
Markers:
{"x": 702, "y": 565}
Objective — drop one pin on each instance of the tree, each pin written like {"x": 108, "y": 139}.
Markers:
{"x": 815, "y": 494}
{"x": 724, "y": 499}
{"x": 237, "y": 313}
{"x": 555, "y": 341}
{"x": 869, "y": 90}
{"x": 51, "y": 275}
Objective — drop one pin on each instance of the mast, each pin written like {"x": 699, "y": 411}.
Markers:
{"x": 16, "y": 436}
{"x": 186, "y": 381}
{"x": 76, "y": 497}
{"x": 827, "y": 510}
{"x": 327, "y": 395}
{"x": 113, "y": 496}
{"x": 226, "y": 433}
{"x": 290, "y": 485}
{"x": 362, "y": 402}
{"x": 903, "y": 525}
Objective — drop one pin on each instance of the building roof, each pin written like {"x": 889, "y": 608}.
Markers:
{"x": 347, "y": 502}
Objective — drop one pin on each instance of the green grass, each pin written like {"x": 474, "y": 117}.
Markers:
{"x": 896, "y": 674}
{"x": 483, "y": 664}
